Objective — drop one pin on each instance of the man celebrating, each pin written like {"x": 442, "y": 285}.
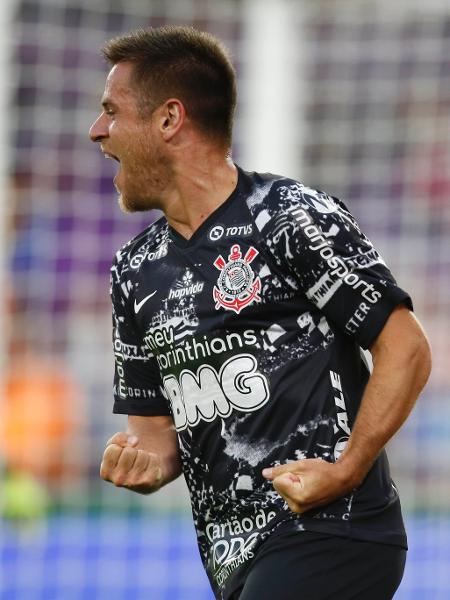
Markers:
{"x": 239, "y": 319}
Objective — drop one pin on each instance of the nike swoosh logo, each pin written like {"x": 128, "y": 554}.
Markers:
{"x": 138, "y": 306}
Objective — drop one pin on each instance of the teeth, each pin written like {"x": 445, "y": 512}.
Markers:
{"x": 111, "y": 156}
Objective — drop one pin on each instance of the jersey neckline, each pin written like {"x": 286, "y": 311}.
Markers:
{"x": 185, "y": 243}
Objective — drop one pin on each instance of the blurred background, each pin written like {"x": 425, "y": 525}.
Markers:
{"x": 350, "y": 96}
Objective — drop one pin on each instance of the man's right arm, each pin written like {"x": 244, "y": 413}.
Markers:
{"x": 144, "y": 458}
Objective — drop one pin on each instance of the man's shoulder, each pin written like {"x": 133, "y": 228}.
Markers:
{"x": 151, "y": 243}
{"x": 274, "y": 196}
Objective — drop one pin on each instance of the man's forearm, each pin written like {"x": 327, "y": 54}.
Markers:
{"x": 393, "y": 388}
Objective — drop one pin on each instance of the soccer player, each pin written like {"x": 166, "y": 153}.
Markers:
{"x": 239, "y": 319}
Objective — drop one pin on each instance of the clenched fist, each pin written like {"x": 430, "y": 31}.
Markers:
{"x": 127, "y": 466}
{"x": 309, "y": 483}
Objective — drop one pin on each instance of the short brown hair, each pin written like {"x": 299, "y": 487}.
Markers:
{"x": 181, "y": 62}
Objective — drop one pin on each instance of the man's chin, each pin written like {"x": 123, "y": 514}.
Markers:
{"x": 131, "y": 205}
{"x": 124, "y": 204}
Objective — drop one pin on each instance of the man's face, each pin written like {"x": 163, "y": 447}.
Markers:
{"x": 125, "y": 135}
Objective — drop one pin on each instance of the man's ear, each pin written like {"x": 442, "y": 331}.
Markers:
{"x": 173, "y": 115}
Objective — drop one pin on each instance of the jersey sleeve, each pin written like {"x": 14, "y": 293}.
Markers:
{"x": 137, "y": 386}
{"x": 334, "y": 263}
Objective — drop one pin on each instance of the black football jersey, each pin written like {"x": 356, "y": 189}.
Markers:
{"x": 249, "y": 335}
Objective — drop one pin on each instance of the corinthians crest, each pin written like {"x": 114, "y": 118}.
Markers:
{"x": 237, "y": 286}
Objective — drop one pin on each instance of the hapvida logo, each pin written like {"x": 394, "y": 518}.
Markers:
{"x": 186, "y": 287}
{"x": 178, "y": 293}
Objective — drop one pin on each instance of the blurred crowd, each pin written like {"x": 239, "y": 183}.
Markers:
{"x": 375, "y": 133}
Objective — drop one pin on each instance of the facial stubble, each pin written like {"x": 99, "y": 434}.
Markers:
{"x": 144, "y": 181}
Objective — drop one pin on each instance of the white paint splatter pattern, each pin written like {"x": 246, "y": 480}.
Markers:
{"x": 254, "y": 453}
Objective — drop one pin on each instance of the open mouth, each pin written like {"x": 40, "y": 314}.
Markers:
{"x": 117, "y": 159}
{"x": 111, "y": 156}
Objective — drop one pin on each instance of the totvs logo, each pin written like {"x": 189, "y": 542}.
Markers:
{"x": 237, "y": 286}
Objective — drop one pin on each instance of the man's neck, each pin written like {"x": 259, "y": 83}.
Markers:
{"x": 200, "y": 185}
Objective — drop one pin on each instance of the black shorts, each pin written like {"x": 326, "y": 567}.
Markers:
{"x": 315, "y": 566}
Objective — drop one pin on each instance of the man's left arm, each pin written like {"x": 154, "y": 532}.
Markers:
{"x": 402, "y": 363}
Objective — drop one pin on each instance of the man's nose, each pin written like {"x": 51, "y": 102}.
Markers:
{"x": 98, "y": 130}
